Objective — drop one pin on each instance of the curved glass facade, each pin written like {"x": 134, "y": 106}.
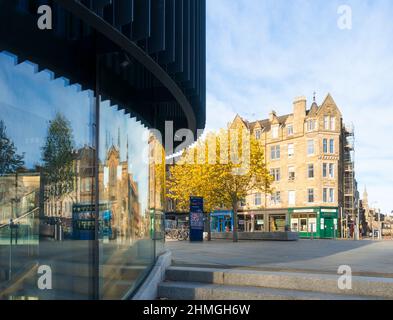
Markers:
{"x": 60, "y": 236}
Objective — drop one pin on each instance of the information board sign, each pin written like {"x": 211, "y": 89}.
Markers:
{"x": 196, "y": 219}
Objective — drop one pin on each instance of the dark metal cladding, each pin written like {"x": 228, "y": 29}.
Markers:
{"x": 152, "y": 52}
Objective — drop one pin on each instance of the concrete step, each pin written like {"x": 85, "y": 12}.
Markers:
{"x": 201, "y": 291}
{"x": 326, "y": 283}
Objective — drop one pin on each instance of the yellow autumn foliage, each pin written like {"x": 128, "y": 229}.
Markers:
{"x": 223, "y": 168}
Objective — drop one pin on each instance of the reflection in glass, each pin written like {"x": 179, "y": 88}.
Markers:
{"x": 126, "y": 246}
{"x": 45, "y": 128}
{"x": 48, "y": 213}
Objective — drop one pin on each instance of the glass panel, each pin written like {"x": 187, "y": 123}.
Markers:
{"x": 46, "y": 154}
{"x": 294, "y": 225}
{"x": 277, "y": 223}
{"x": 128, "y": 225}
{"x": 303, "y": 225}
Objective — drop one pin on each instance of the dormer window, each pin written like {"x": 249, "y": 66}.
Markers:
{"x": 326, "y": 122}
{"x": 329, "y": 123}
{"x": 333, "y": 123}
{"x": 258, "y": 134}
{"x": 275, "y": 131}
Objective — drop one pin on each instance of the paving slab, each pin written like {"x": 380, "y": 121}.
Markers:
{"x": 366, "y": 258}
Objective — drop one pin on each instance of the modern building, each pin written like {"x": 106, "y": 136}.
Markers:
{"x": 81, "y": 84}
{"x": 305, "y": 153}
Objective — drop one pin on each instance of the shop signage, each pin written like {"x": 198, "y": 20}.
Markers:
{"x": 329, "y": 210}
{"x": 303, "y": 210}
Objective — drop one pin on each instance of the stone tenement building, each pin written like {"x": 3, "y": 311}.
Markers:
{"x": 304, "y": 152}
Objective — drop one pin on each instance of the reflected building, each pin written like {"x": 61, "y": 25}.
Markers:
{"x": 120, "y": 193}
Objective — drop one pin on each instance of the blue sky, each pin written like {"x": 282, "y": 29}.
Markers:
{"x": 263, "y": 53}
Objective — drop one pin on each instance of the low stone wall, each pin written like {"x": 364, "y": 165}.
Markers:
{"x": 149, "y": 288}
{"x": 266, "y": 236}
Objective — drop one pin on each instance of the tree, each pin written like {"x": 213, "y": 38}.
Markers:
{"x": 223, "y": 169}
{"x": 10, "y": 161}
{"x": 57, "y": 157}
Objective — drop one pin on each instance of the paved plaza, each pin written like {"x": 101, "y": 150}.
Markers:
{"x": 368, "y": 258}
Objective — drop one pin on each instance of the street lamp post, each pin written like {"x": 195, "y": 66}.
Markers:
{"x": 357, "y": 219}
{"x": 379, "y": 225}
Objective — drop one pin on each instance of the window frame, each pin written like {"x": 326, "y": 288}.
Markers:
{"x": 291, "y": 155}
{"x": 312, "y": 145}
{"x": 257, "y": 196}
{"x": 312, "y": 167}
{"x": 325, "y": 146}
{"x": 291, "y": 173}
{"x": 275, "y": 131}
{"x": 291, "y": 192}
{"x": 258, "y": 134}
{"x": 290, "y": 131}
{"x": 333, "y": 123}
{"x": 326, "y": 122}
{"x": 331, "y": 146}
{"x": 275, "y": 152}
{"x": 331, "y": 170}
{"x": 312, "y": 194}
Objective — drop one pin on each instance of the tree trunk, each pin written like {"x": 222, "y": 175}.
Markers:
{"x": 235, "y": 234}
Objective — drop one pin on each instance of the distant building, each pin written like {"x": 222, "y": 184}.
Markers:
{"x": 305, "y": 152}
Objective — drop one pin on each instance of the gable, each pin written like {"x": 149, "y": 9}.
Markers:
{"x": 238, "y": 122}
{"x": 329, "y": 107}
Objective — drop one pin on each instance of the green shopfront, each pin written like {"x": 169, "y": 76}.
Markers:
{"x": 315, "y": 222}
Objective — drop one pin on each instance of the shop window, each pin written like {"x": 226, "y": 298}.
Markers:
{"x": 303, "y": 225}
{"x": 295, "y": 225}
{"x": 241, "y": 223}
{"x": 312, "y": 223}
{"x": 259, "y": 223}
{"x": 277, "y": 223}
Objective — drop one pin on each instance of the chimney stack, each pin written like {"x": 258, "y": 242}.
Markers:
{"x": 272, "y": 115}
{"x": 299, "y": 107}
